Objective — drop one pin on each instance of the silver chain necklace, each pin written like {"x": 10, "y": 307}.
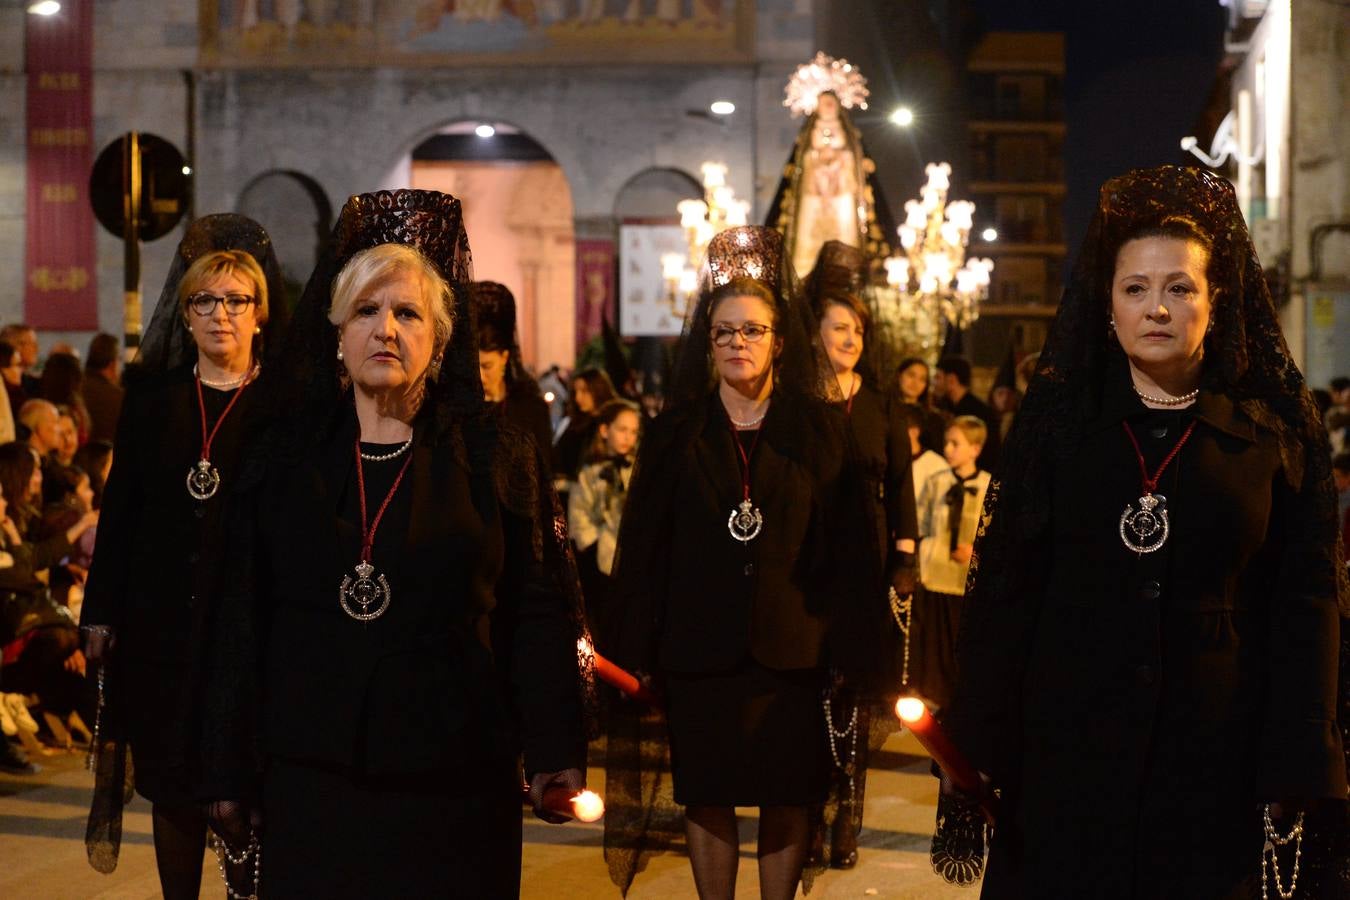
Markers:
{"x": 385, "y": 457}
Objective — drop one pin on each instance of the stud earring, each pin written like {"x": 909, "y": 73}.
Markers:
{"x": 339, "y": 354}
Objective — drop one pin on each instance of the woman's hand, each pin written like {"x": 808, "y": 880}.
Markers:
{"x": 962, "y": 553}
{"x": 949, "y": 789}
{"x": 75, "y": 662}
{"x": 11, "y": 531}
{"x": 87, "y": 521}
{"x": 572, "y": 780}
{"x": 1283, "y": 812}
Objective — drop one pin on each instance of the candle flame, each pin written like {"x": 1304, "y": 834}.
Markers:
{"x": 587, "y": 806}
{"x": 910, "y": 709}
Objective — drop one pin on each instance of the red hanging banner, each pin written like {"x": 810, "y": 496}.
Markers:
{"x": 595, "y": 288}
{"x": 59, "y": 287}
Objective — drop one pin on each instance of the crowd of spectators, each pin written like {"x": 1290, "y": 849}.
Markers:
{"x": 57, "y": 421}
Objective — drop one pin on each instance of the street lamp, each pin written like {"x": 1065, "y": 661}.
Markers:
{"x": 936, "y": 285}
{"x": 903, "y": 116}
{"x": 44, "y": 8}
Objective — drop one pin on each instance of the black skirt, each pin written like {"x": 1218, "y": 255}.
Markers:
{"x": 334, "y": 835}
{"x": 749, "y": 737}
{"x": 932, "y": 651}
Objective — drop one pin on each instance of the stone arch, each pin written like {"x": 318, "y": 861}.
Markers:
{"x": 518, "y": 209}
{"x": 653, "y": 193}
{"x": 296, "y": 212}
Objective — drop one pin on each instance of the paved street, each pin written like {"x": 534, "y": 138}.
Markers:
{"x": 42, "y": 844}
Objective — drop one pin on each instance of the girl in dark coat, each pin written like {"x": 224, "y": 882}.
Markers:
{"x": 1153, "y": 690}
{"x": 161, "y": 551}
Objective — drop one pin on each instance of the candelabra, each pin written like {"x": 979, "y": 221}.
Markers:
{"x": 936, "y": 285}
{"x": 701, "y": 219}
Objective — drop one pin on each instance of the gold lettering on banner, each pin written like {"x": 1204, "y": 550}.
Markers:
{"x": 60, "y": 193}
{"x": 60, "y": 137}
{"x": 59, "y": 81}
{"x": 50, "y": 279}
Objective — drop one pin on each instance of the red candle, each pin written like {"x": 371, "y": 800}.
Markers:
{"x": 620, "y": 680}
{"x": 950, "y": 760}
{"x": 584, "y": 806}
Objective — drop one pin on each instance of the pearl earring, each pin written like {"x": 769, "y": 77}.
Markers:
{"x": 339, "y": 354}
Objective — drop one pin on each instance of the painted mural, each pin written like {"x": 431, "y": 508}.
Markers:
{"x": 448, "y": 32}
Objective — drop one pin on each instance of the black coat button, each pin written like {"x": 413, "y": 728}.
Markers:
{"x": 1143, "y": 675}
{"x": 749, "y": 569}
{"x": 1150, "y": 590}
{"x": 199, "y": 511}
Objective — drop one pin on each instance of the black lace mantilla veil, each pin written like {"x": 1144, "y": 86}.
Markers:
{"x": 642, "y": 818}
{"x": 306, "y": 402}
{"x": 166, "y": 345}
{"x": 166, "y": 348}
{"x": 495, "y": 308}
{"x": 843, "y": 269}
{"x": 1246, "y": 358}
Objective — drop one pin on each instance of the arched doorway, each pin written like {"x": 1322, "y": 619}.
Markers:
{"x": 518, "y": 213}
{"x": 296, "y": 213}
{"x": 649, "y": 226}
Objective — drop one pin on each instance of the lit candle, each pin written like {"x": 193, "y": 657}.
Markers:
{"x": 623, "y": 682}
{"x": 584, "y": 806}
{"x": 929, "y": 733}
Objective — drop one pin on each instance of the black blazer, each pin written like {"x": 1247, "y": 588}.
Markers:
{"x": 696, "y": 600}
{"x": 160, "y": 555}
{"x": 884, "y": 453}
{"x": 475, "y": 657}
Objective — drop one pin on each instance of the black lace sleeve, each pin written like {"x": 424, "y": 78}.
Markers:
{"x": 539, "y": 626}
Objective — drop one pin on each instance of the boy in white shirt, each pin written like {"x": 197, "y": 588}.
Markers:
{"x": 949, "y": 507}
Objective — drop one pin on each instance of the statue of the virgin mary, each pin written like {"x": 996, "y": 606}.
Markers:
{"x": 829, "y": 190}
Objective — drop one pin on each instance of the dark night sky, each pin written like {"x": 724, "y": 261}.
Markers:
{"x": 1139, "y": 73}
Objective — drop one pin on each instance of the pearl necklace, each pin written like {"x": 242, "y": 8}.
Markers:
{"x": 385, "y": 457}
{"x": 227, "y": 385}
{"x": 1167, "y": 401}
{"x": 752, "y": 423}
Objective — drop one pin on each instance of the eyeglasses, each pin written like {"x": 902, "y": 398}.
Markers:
{"x": 752, "y": 332}
{"x": 203, "y": 303}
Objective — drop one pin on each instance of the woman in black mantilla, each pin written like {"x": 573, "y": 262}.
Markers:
{"x": 836, "y": 289}
{"x": 745, "y": 473}
{"x": 418, "y": 609}
{"x": 192, "y": 397}
{"x": 1154, "y": 690}
{"x": 508, "y": 387}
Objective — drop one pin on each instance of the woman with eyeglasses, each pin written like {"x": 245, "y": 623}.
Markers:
{"x": 741, "y": 574}
{"x": 162, "y": 552}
